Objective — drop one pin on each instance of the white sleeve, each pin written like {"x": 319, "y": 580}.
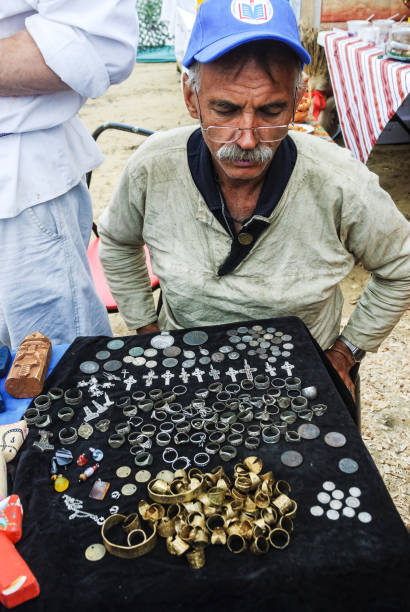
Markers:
{"x": 90, "y": 45}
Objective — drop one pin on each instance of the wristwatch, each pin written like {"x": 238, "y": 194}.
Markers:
{"x": 357, "y": 353}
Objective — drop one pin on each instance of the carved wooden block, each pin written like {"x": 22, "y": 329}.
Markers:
{"x": 29, "y": 368}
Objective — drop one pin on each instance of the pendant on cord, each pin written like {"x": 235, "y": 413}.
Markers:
{"x": 245, "y": 238}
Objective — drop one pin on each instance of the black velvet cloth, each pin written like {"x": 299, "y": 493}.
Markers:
{"x": 328, "y": 565}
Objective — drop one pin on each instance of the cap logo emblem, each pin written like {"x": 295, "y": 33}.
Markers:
{"x": 254, "y": 12}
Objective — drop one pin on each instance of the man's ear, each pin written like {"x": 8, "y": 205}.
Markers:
{"x": 302, "y": 88}
{"x": 189, "y": 97}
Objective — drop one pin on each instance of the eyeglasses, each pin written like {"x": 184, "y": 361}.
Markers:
{"x": 226, "y": 134}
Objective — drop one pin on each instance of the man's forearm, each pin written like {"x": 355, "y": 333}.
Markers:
{"x": 23, "y": 71}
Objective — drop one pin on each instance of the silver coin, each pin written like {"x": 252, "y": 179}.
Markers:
{"x": 285, "y": 354}
{"x": 251, "y": 353}
{"x": 338, "y": 494}
{"x": 333, "y": 515}
{"x": 188, "y": 363}
{"x": 278, "y": 334}
{"x": 323, "y": 498}
{"x": 204, "y": 351}
{"x": 349, "y": 512}
{"x": 128, "y": 489}
{"x": 268, "y": 336}
{"x": 335, "y": 439}
{"x": 162, "y": 341}
{"x": 288, "y": 346}
{"x": 113, "y": 365}
{"x": 272, "y": 359}
{"x": 115, "y": 345}
{"x": 365, "y": 517}
{"x": 136, "y": 351}
{"x": 242, "y": 330}
{"x": 226, "y": 349}
{"x": 308, "y": 431}
{"x": 103, "y": 355}
{"x": 286, "y": 337}
{"x": 172, "y": 351}
{"x": 151, "y": 364}
{"x": 348, "y": 466}
{"x": 234, "y": 339}
{"x": 231, "y": 332}
{"x": 233, "y": 355}
{"x": 253, "y": 343}
{"x": 150, "y": 352}
{"x": 89, "y": 367}
{"x": 316, "y": 511}
{"x": 204, "y": 360}
{"x": 217, "y": 357}
{"x": 276, "y": 340}
{"x": 194, "y": 338}
{"x": 271, "y": 330}
{"x": 352, "y": 502}
{"x": 263, "y": 355}
{"x": 189, "y": 354}
{"x": 336, "y": 504}
{"x": 246, "y": 338}
{"x": 328, "y": 485}
{"x": 241, "y": 346}
{"x": 355, "y": 492}
{"x": 264, "y": 344}
{"x": 291, "y": 458}
{"x": 170, "y": 362}
{"x": 128, "y": 359}
{"x": 139, "y": 361}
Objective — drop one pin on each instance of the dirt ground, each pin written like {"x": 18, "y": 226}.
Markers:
{"x": 151, "y": 98}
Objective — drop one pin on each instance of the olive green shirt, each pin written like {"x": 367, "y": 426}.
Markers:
{"x": 332, "y": 215}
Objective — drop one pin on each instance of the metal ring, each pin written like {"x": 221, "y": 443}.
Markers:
{"x": 283, "y": 403}
{"x": 179, "y": 389}
{"x": 261, "y": 381}
{"x": 293, "y": 382}
{"x": 130, "y": 411}
{"x": 162, "y": 438}
{"x": 143, "y": 441}
{"x": 291, "y": 393}
{"x": 319, "y": 409}
{"x": 222, "y": 396}
{"x": 181, "y": 438}
{"x": 227, "y": 452}
{"x": 212, "y": 448}
{"x": 123, "y": 428}
{"x": 159, "y": 415}
{"x": 42, "y": 402}
{"x": 215, "y": 387}
{"x": 247, "y": 385}
{"x": 252, "y": 442}
{"x": 143, "y": 458}
{"x": 160, "y": 404}
{"x": 177, "y": 418}
{"x": 292, "y": 436}
{"x": 43, "y": 421}
{"x": 174, "y": 408}
{"x": 65, "y": 413}
{"x": 124, "y": 401}
{"x": 135, "y": 421}
{"x": 149, "y": 429}
{"x": 235, "y": 439}
{"x": 217, "y": 437}
{"x": 31, "y": 415}
{"x": 73, "y": 397}
{"x": 270, "y": 434}
{"x": 278, "y": 383}
{"x": 138, "y": 396}
{"x": 155, "y": 394}
{"x": 198, "y": 438}
{"x": 167, "y": 452}
{"x": 116, "y": 440}
{"x": 201, "y": 459}
{"x": 168, "y": 396}
{"x": 202, "y": 393}
{"x": 68, "y": 435}
{"x": 305, "y": 414}
{"x": 233, "y": 388}
{"x": 246, "y": 416}
{"x": 183, "y": 427}
{"x": 253, "y": 431}
{"x": 146, "y": 405}
{"x": 55, "y": 393}
{"x": 238, "y": 428}
{"x": 299, "y": 403}
{"x": 197, "y": 424}
{"x": 185, "y": 463}
{"x": 227, "y": 418}
{"x": 222, "y": 427}
{"x": 218, "y": 407}
{"x": 167, "y": 427}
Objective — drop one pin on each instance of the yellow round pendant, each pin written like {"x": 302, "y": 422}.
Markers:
{"x": 245, "y": 238}
{"x": 61, "y": 483}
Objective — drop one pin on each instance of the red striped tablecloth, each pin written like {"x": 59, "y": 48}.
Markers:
{"x": 368, "y": 91}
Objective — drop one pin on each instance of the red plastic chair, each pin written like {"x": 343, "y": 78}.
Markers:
{"x": 97, "y": 272}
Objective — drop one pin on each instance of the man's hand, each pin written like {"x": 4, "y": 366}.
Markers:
{"x": 23, "y": 71}
{"x": 151, "y": 328}
{"x": 342, "y": 360}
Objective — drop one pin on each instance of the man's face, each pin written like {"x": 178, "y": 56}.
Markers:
{"x": 248, "y": 98}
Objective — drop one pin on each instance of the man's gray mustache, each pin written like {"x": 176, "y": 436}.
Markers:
{"x": 233, "y": 152}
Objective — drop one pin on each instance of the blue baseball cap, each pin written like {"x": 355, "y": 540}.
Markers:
{"x": 222, "y": 25}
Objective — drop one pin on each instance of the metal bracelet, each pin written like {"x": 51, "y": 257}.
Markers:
{"x": 73, "y": 397}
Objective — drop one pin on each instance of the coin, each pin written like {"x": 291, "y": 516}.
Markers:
{"x": 195, "y": 337}
{"x": 352, "y": 502}
{"x": 123, "y": 471}
{"x": 271, "y": 330}
{"x": 231, "y": 332}
{"x": 129, "y": 489}
{"x": 188, "y": 363}
{"x": 142, "y": 476}
{"x": 335, "y": 439}
{"x": 285, "y": 354}
{"x": 170, "y": 362}
{"x": 286, "y": 337}
{"x": 348, "y": 466}
{"x": 136, "y": 351}
{"x": 162, "y": 341}
{"x": 355, "y": 492}
{"x": 166, "y": 475}
{"x": 85, "y": 430}
{"x": 272, "y": 359}
{"x": 246, "y": 338}
{"x": 267, "y": 336}
{"x": 115, "y": 345}
{"x": 233, "y": 355}
{"x": 323, "y": 498}
{"x": 217, "y": 357}
{"x": 333, "y": 515}
{"x": 278, "y": 334}
{"x": 103, "y": 355}
{"x": 264, "y": 344}
{"x": 172, "y": 351}
{"x": 257, "y": 328}
{"x": 365, "y": 517}
{"x": 349, "y": 512}
{"x": 335, "y": 504}
{"x": 251, "y": 353}
{"x": 316, "y": 511}
{"x": 128, "y": 359}
{"x": 226, "y": 349}
{"x": 329, "y": 485}
{"x": 189, "y": 354}
{"x": 204, "y": 360}
{"x": 253, "y": 343}
{"x": 89, "y": 367}
{"x": 291, "y": 458}
{"x": 112, "y": 366}
{"x": 288, "y": 346}
{"x": 263, "y": 356}
{"x": 338, "y": 494}
{"x": 234, "y": 339}
{"x": 139, "y": 361}
{"x": 241, "y": 346}
{"x": 308, "y": 431}
{"x": 204, "y": 351}
{"x": 150, "y": 352}
{"x": 242, "y": 330}
{"x": 151, "y": 364}
{"x": 95, "y": 552}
